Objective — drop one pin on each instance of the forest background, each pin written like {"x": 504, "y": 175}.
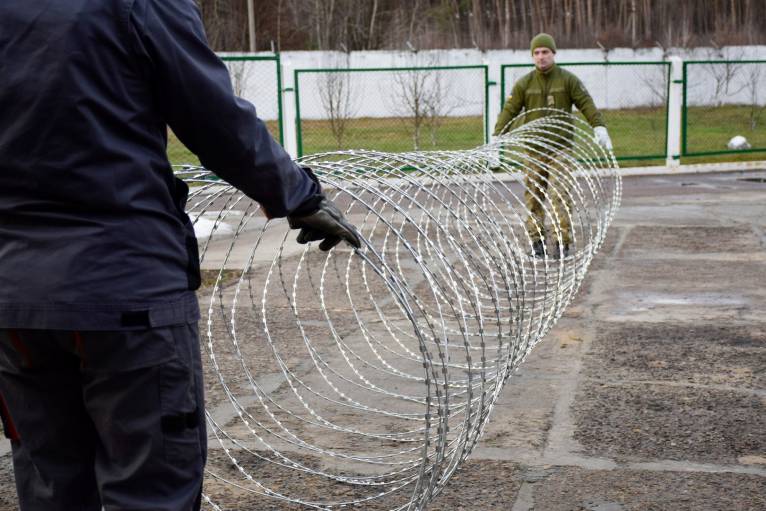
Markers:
{"x": 351, "y": 25}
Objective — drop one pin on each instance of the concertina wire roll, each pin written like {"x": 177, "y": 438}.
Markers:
{"x": 364, "y": 378}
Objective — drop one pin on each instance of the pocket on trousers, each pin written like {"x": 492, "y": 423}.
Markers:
{"x": 180, "y": 414}
{"x": 193, "y": 272}
{"x": 126, "y": 350}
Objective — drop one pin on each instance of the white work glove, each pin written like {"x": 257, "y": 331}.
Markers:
{"x": 602, "y": 137}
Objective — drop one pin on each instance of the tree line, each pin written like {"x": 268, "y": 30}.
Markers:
{"x": 349, "y": 25}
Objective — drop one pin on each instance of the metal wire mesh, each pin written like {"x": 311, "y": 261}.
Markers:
{"x": 363, "y": 378}
{"x": 254, "y": 78}
{"x": 632, "y": 96}
{"x": 391, "y": 109}
{"x": 723, "y": 100}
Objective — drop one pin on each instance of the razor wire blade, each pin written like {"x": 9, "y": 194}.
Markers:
{"x": 364, "y": 378}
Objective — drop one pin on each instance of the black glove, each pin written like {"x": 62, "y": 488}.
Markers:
{"x": 326, "y": 223}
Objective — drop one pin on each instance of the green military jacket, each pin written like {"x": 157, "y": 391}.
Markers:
{"x": 557, "y": 88}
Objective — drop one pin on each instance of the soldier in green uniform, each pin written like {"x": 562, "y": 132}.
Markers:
{"x": 549, "y": 87}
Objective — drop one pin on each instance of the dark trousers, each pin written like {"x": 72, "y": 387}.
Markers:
{"x": 112, "y": 419}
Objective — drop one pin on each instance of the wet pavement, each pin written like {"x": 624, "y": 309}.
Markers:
{"x": 650, "y": 393}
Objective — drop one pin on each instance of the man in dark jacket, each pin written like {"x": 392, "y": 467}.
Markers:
{"x": 541, "y": 92}
{"x": 100, "y": 367}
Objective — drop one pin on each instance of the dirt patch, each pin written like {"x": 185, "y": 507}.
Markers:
{"x": 691, "y": 275}
{"x": 8, "y": 500}
{"x": 572, "y": 489}
{"x": 700, "y": 354}
{"x": 689, "y": 240}
{"x": 485, "y": 485}
{"x": 649, "y": 422}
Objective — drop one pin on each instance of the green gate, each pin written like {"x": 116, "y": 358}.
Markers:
{"x": 632, "y": 96}
{"x": 723, "y": 99}
{"x": 257, "y": 79}
{"x": 391, "y": 109}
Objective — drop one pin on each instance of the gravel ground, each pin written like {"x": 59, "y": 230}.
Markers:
{"x": 8, "y": 500}
{"x": 568, "y": 489}
{"x": 468, "y": 488}
{"x": 641, "y": 422}
{"x": 705, "y": 354}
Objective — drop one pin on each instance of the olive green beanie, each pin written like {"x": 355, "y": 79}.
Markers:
{"x": 542, "y": 40}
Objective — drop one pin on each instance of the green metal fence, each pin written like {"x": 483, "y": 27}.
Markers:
{"x": 632, "y": 96}
{"x": 446, "y": 107}
{"x": 257, "y": 79}
{"x": 391, "y": 109}
{"x": 723, "y": 100}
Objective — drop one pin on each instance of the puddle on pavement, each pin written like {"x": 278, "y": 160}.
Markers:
{"x": 647, "y": 301}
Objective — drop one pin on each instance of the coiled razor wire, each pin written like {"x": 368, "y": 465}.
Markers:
{"x": 363, "y": 378}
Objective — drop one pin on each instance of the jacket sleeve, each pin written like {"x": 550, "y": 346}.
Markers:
{"x": 584, "y": 103}
{"x": 194, "y": 93}
{"x": 511, "y": 109}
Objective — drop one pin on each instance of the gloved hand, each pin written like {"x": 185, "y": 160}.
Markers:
{"x": 327, "y": 224}
{"x": 602, "y": 137}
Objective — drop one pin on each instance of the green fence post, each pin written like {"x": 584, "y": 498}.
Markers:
{"x": 486, "y": 104}
{"x": 279, "y": 101}
{"x": 502, "y": 86}
{"x": 684, "y": 114}
{"x": 298, "y": 123}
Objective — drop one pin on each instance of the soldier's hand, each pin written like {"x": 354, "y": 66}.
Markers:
{"x": 602, "y": 137}
{"x": 328, "y": 224}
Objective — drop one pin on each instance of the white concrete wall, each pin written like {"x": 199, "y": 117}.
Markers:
{"x": 256, "y": 82}
{"x": 377, "y": 94}
{"x": 381, "y": 94}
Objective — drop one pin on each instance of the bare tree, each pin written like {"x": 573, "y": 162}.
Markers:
{"x": 655, "y": 80}
{"x": 440, "y": 102}
{"x": 379, "y": 24}
{"x": 371, "y": 32}
{"x": 335, "y": 94}
{"x": 724, "y": 75}
{"x": 239, "y": 71}
{"x": 411, "y": 88}
{"x": 423, "y": 99}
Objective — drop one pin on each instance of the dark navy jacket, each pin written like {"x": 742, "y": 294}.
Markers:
{"x": 93, "y": 234}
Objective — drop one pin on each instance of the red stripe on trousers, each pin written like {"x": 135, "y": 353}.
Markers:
{"x": 12, "y": 432}
{"x": 26, "y": 359}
